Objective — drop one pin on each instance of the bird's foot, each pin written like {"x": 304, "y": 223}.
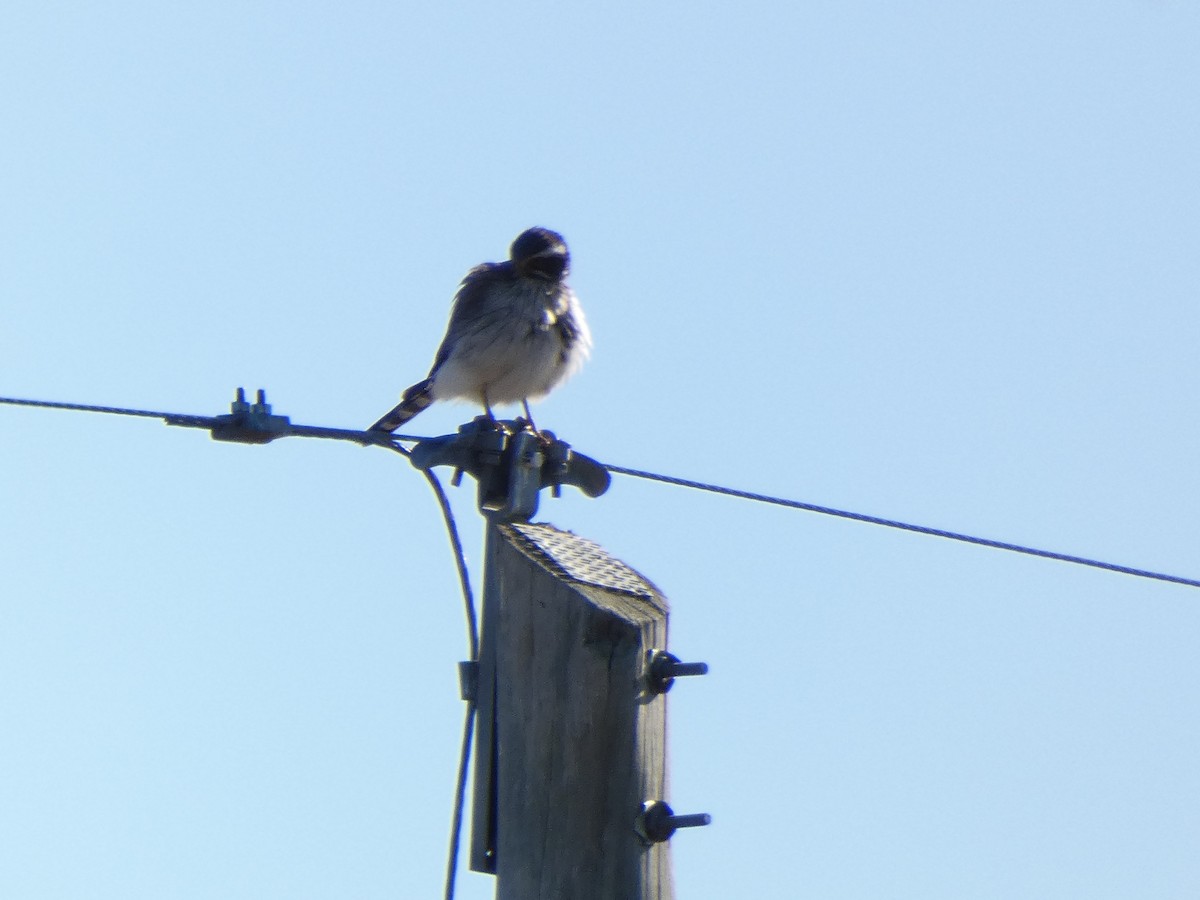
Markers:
{"x": 523, "y": 424}
{"x": 545, "y": 438}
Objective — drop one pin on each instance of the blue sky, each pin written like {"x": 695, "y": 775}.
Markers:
{"x": 936, "y": 264}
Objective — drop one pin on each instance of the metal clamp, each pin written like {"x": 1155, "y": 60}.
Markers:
{"x": 250, "y": 423}
{"x": 512, "y": 464}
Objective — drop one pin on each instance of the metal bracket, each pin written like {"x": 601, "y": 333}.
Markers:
{"x": 511, "y": 463}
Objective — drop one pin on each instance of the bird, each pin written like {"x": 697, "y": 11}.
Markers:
{"x": 516, "y": 332}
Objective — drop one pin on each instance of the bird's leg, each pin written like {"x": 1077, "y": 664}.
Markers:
{"x": 529, "y": 416}
{"x": 488, "y": 407}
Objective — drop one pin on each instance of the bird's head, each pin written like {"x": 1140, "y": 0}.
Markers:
{"x": 540, "y": 253}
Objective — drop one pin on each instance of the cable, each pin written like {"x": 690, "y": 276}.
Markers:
{"x": 464, "y": 758}
{"x": 460, "y": 788}
{"x": 389, "y": 441}
{"x": 460, "y": 791}
{"x": 905, "y": 526}
{"x": 111, "y": 410}
{"x": 366, "y": 438}
{"x": 459, "y": 556}
{"x": 283, "y": 427}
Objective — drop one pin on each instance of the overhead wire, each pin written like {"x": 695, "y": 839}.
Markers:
{"x": 392, "y": 442}
{"x": 110, "y": 410}
{"x": 367, "y": 438}
{"x": 903, "y": 526}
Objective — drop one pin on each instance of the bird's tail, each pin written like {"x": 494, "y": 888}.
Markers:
{"x": 416, "y": 399}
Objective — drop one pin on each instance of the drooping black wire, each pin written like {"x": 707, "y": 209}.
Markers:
{"x": 464, "y": 758}
{"x": 905, "y": 526}
{"x": 460, "y": 558}
{"x": 366, "y": 438}
{"x": 460, "y": 793}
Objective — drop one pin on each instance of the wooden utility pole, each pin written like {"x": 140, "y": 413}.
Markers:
{"x": 567, "y": 692}
{"x": 571, "y": 723}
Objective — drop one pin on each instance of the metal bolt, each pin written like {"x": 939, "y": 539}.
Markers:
{"x": 657, "y": 821}
{"x": 662, "y": 668}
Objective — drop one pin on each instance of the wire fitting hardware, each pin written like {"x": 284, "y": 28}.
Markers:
{"x": 250, "y": 423}
{"x": 662, "y": 668}
{"x": 511, "y": 463}
{"x": 468, "y": 680}
{"x": 657, "y": 821}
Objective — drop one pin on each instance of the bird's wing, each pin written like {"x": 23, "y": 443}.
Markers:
{"x": 474, "y": 307}
{"x": 474, "y": 310}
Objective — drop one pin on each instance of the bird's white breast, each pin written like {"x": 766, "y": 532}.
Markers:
{"x": 517, "y": 353}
